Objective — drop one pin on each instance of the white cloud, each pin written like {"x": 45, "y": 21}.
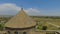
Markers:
{"x": 33, "y": 11}
{"x": 8, "y": 8}
{"x": 11, "y": 9}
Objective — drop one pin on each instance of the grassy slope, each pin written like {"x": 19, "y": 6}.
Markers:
{"x": 45, "y": 21}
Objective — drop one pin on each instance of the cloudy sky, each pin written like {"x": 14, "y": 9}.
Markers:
{"x": 31, "y": 7}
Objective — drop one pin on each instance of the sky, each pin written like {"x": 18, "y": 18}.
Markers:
{"x": 31, "y": 7}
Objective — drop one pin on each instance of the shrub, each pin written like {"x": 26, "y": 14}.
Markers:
{"x": 44, "y": 27}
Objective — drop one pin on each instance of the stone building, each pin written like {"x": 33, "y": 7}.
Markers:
{"x": 21, "y": 24}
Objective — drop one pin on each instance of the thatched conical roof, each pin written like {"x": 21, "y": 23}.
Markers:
{"x": 21, "y": 20}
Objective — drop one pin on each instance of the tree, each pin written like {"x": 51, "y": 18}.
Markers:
{"x": 44, "y": 27}
{"x": 1, "y": 26}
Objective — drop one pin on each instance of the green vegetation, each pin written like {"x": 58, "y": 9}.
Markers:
{"x": 44, "y": 27}
{"x": 1, "y": 26}
{"x": 3, "y": 20}
{"x": 45, "y": 20}
{"x": 51, "y": 17}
